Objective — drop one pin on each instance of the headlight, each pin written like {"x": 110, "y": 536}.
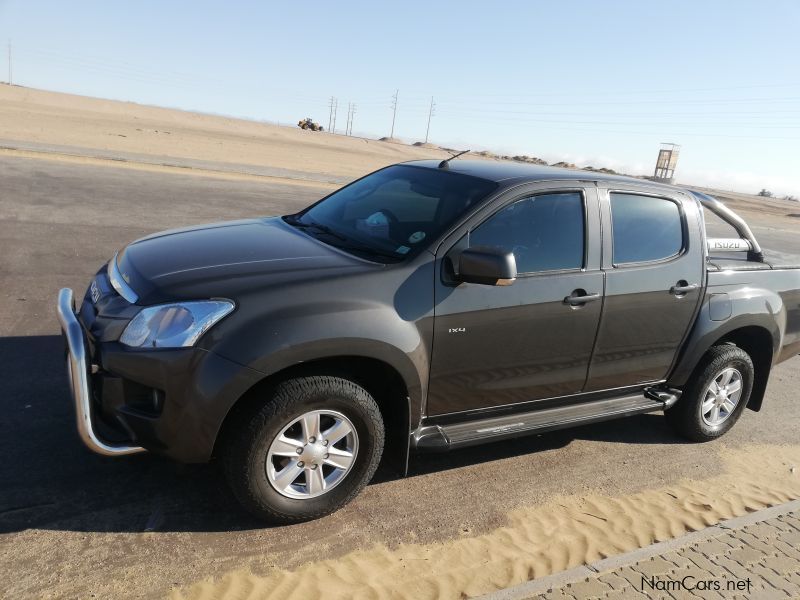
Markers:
{"x": 174, "y": 325}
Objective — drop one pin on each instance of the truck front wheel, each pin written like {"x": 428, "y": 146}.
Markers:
{"x": 307, "y": 451}
{"x": 716, "y": 396}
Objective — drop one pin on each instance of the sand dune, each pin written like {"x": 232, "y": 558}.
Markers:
{"x": 537, "y": 541}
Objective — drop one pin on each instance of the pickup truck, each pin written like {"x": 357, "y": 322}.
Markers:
{"x": 428, "y": 306}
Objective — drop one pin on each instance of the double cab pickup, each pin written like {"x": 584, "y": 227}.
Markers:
{"x": 428, "y": 306}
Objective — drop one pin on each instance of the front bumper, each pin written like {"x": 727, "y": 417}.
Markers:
{"x": 170, "y": 401}
{"x": 78, "y": 370}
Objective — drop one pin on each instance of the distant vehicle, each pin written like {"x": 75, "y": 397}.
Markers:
{"x": 309, "y": 124}
{"x": 427, "y": 306}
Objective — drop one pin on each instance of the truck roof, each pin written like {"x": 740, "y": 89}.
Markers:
{"x": 506, "y": 172}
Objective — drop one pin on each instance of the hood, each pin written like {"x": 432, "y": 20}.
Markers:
{"x": 227, "y": 259}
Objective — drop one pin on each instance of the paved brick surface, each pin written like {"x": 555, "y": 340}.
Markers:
{"x": 752, "y": 557}
{"x": 756, "y": 561}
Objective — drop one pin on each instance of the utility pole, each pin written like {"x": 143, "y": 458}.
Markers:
{"x": 394, "y": 111}
{"x": 330, "y": 112}
{"x": 335, "y": 112}
{"x": 10, "y": 78}
{"x": 351, "y": 113}
{"x": 430, "y": 114}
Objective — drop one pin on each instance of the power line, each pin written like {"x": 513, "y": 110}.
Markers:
{"x": 711, "y": 114}
{"x": 335, "y": 112}
{"x": 662, "y": 133}
{"x": 653, "y": 122}
{"x": 732, "y": 123}
{"x": 626, "y": 95}
{"x": 685, "y": 102}
{"x": 133, "y": 72}
{"x": 628, "y": 92}
{"x": 394, "y": 111}
{"x": 172, "y": 79}
{"x": 648, "y": 114}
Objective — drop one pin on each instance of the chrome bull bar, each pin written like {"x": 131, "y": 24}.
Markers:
{"x": 78, "y": 370}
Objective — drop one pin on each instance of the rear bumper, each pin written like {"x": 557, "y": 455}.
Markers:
{"x": 78, "y": 371}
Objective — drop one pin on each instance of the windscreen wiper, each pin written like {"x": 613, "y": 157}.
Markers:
{"x": 349, "y": 243}
{"x": 318, "y": 226}
{"x": 368, "y": 250}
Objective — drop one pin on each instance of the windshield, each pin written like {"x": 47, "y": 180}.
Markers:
{"x": 395, "y": 212}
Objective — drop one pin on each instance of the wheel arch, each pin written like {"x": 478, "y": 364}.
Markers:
{"x": 759, "y": 343}
{"x": 383, "y": 381}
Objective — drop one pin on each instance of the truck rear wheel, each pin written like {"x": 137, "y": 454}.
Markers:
{"x": 716, "y": 397}
{"x": 307, "y": 451}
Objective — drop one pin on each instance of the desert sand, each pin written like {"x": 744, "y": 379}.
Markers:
{"x": 31, "y": 115}
{"x": 73, "y": 128}
{"x": 537, "y": 541}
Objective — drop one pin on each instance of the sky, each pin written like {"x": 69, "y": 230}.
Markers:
{"x": 593, "y": 83}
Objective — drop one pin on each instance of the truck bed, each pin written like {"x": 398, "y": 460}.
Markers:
{"x": 732, "y": 261}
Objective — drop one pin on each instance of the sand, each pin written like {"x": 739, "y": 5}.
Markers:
{"x": 537, "y": 541}
{"x": 32, "y": 115}
{"x": 62, "y": 157}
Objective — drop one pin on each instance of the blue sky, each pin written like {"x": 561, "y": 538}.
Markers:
{"x": 599, "y": 83}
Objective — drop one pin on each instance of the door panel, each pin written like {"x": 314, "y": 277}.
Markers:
{"x": 496, "y": 346}
{"x": 644, "y": 318}
{"x": 504, "y": 345}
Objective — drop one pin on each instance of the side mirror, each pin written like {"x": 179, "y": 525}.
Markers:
{"x": 487, "y": 266}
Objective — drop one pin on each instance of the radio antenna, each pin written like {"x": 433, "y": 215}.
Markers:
{"x": 444, "y": 164}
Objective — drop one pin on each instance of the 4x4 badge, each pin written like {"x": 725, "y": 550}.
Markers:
{"x": 95, "y": 291}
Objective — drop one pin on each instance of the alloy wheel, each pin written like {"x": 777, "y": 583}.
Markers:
{"x": 721, "y": 397}
{"x": 312, "y": 454}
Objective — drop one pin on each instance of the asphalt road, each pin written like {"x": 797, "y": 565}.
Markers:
{"x": 71, "y": 522}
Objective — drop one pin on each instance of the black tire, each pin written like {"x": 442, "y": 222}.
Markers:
{"x": 686, "y": 417}
{"x": 249, "y": 438}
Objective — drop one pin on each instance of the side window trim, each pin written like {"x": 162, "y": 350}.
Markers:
{"x": 684, "y": 229}
{"x": 547, "y": 192}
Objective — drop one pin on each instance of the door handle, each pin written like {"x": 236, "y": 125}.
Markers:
{"x": 682, "y": 288}
{"x": 580, "y": 297}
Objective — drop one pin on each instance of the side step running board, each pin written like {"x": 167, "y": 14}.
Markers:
{"x": 459, "y": 435}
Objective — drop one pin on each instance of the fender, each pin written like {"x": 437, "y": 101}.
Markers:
{"x": 748, "y": 307}
{"x": 412, "y": 367}
{"x": 399, "y": 344}
{"x": 385, "y": 316}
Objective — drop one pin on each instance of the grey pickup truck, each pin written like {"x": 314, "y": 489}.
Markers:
{"x": 425, "y": 307}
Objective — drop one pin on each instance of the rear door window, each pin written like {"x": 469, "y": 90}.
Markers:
{"x": 645, "y": 228}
